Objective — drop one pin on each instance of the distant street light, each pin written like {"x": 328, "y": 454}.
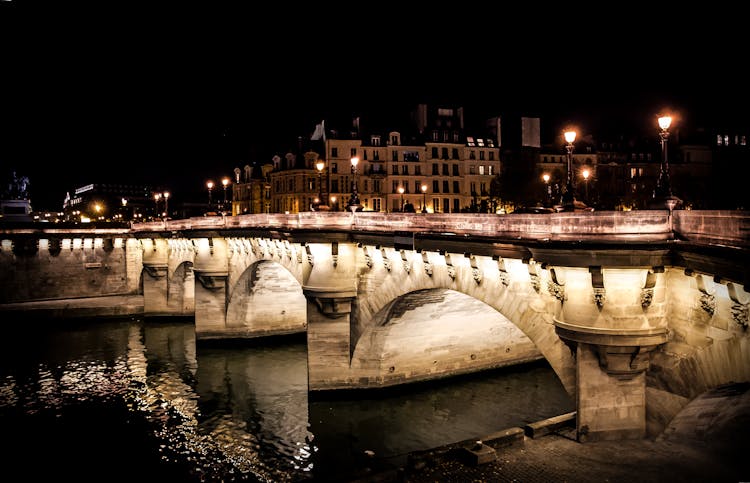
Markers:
{"x": 157, "y": 197}
{"x": 568, "y": 197}
{"x": 166, "y": 205}
{"x": 424, "y": 198}
{"x": 224, "y": 182}
{"x": 586, "y": 173}
{"x": 210, "y": 186}
{"x": 401, "y": 190}
{"x": 354, "y": 199}
{"x": 319, "y": 166}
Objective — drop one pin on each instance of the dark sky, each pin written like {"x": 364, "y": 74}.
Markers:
{"x": 174, "y": 97}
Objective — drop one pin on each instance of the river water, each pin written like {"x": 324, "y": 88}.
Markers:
{"x": 128, "y": 399}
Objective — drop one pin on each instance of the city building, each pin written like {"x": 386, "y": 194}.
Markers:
{"x": 115, "y": 202}
{"x": 251, "y": 190}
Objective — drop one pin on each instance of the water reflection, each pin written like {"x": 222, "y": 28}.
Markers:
{"x": 127, "y": 399}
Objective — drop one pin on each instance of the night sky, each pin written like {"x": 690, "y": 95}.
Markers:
{"x": 174, "y": 97}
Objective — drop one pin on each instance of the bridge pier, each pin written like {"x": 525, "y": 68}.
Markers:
{"x": 211, "y": 273}
{"x": 155, "y": 276}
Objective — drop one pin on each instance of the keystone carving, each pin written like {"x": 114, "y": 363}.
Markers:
{"x": 476, "y": 273}
{"x": 386, "y": 260}
{"x": 554, "y": 287}
{"x": 427, "y": 264}
{"x": 405, "y": 262}
{"x": 740, "y": 308}
{"x": 504, "y": 277}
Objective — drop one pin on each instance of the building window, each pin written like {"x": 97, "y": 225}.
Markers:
{"x": 492, "y": 156}
{"x": 446, "y": 205}
{"x": 490, "y": 171}
{"x": 456, "y": 207}
{"x": 353, "y": 152}
{"x": 394, "y": 140}
{"x": 417, "y": 186}
{"x": 481, "y": 155}
{"x": 394, "y": 155}
{"x": 743, "y": 140}
{"x": 444, "y": 152}
{"x": 334, "y": 186}
{"x": 481, "y": 169}
{"x": 434, "y": 153}
{"x": 455, "y": 187}
{"x": 633, "y": 172}
{"x": 376, "y": 155}
{"x": 334, "y": 168}
{"x": 418, "y": 170}
{"x": 411, "y": 156}
{"x": 472, "y": 154}
{"x": 436, "y": 205}
{"x": 446, "y": 187}
{"x": 334, "y": 152}
{"x": 435, "y": 136}
{"x": 454, "y": 154}
{"x": 405, "y": 169}
{"x": 435, "y": 169}
{"x": 395, "y": 187}
{"x": 473, "y": 189}
{"x": 364, "y": 151}
{"x": 719, "y": 140}
{"x": 455, "y": 170}
{"x": 445, "y": 170}
{"x": 436, "y": 186}
{"x": 375, "y": 140}
{"x": 483, "y": 188}
{"x": 394, "y": 169}
{"x": 726, "y": 140}
{"x": 365, "y": 187}
{"x": 472, "y": 169}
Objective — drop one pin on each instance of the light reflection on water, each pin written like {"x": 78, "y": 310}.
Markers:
{"x": 122, "y": 397}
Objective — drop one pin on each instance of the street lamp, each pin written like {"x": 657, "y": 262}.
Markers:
{"x": 210, "y": 186}
{"x": 166, "y": 204}
{"x": 224, "y": 182}
{"x": 401, "y": 190}
{"x": 354, "y": 199}
{"x": 319, "y": 166}
{"x": 424, "y": 198}
{"x": 568, "y": 198}
{"x": 333, "y": 203}
{"x": 586, "y": 173}
{"x": 157, "y": 197}
{"x": 548, "y": 188}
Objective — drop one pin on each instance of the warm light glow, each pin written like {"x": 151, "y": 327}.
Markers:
{"x": 586, "y": 174}
{"x": 355, "y": 161}
{"x": 166, "y": 194}
{"x": 320, "y": 165}
{"x": 545, "y": 177}
{"x": 225, "y": 182}
{"x": 210, "y": 184}
{"x": 665, "y": 122}
{"x": 570, "y": 136}
{"x": 424, "y": 188}
{"x": 98, "y": 207}
{"x": 124, "y": 201}
{"x": 157, "y": 196}
{"x": 333, "y": 199}
{"x": 401, "y": 189}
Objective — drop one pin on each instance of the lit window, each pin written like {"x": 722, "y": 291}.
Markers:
{"x": 726, "y": 140}
{"x": 481, "y": 169}
{"x": 719, "y": 140}
{"x": 743, "y": 140}
{"x": 480, "y": 142}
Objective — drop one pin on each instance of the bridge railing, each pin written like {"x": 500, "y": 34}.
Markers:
{"x": 715, "y": 227}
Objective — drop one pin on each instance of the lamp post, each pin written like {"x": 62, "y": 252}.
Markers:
{"x": 401, "y": 191}
{"x": 157, "y": 197}
{"x": 319, "y": 166}
{"x": 424, "y": 198}
{"x": 166, "y": 205}
{"x": 333, "y": 203}
{"x": 210, "y": 186}
{"x": 586, "y": 173}
{"x": 568, "y": 197}
{"x": 224, "y": 182}
{"x": 547, "y": 189}
{"x": 354, "y": 199}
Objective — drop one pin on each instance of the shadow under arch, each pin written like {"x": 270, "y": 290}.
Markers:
{"x": 435, "y": 333}
{"x": 266, "y": 300}
{"x": 181, "y": 289}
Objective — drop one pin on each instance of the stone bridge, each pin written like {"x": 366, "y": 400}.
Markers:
{"x": 637, "y": 312}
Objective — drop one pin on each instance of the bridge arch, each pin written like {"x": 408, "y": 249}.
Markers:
{"x": 510, "y": 292}
{"x": 253, "y": 306}
{"x": 181, "y": 289}
{"x": 434, "y": 333}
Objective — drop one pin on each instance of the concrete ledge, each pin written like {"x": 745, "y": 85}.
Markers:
{"x": 502, "y": 439}
{"x": 550, "y": 425}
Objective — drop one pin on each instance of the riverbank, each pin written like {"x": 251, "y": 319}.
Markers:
{"x": 105, "y": 306}
{"x": 706, "y": 442}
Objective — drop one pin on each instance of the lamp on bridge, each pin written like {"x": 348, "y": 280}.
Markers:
{"x": 424, "y": 198}
{"x": 586, "y": 173}
{"x": 663, "y": 196}
{"x": 210, "y": 186}
{"x": 157, "y": 197}
{"x": 353, "y": 204}
{"x": 401, "y": 191}
{"x": 224, "y": 182}
{"x": 568, "y": 197}
{"x": 547, "y": 189}
{"x": 319, "y": 166}
{"x": 166, "y": 205}
{"x": 333, "y": 203}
